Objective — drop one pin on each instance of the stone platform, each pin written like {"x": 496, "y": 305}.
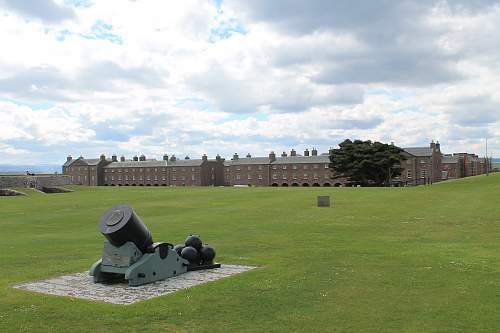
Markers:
{"x": 81, "y": 285}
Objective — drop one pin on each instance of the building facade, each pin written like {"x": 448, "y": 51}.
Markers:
{"x": 423, "y": 165}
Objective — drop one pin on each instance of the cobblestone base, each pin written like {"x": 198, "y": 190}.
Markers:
{"x": 81, "y": 285}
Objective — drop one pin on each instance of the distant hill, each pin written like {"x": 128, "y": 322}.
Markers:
{"x": 42, "y": 168}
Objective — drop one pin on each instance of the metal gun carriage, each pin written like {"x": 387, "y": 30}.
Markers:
{"x": 129, "y": 252}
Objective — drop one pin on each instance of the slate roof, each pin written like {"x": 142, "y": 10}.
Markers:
{"x": 185, "y": 163}
{"x": 302, "y": 159}
{"x": 419, "y": 151}
{"x": 88, "y": 161}
{"x": 137, "y": 164}
{"x": 248, "y": 160}
{"x": 449, "y": 159}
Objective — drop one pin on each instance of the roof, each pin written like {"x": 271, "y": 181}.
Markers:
{"x": 302, "y": 159}
{"x": 419, "y": 151}
{"x": 137, "y": 164}
{"x": 185, "y": 163}
{"x": 248, "y": 160}
{"x": 449, "y": 159}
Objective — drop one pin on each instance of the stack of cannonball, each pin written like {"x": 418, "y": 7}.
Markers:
{"x": 194, "y": 251}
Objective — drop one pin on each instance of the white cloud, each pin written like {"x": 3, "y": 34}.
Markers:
{"x": 150, "y": 76}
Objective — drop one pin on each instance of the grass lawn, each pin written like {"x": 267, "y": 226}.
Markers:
{"x": 423, "y": 259}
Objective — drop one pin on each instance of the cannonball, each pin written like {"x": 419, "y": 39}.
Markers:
{"x": 207, "y": 254}
{"x": 190, "y": 254}
{"x": 194, "y": 241}
{"x": 178, "y": 248}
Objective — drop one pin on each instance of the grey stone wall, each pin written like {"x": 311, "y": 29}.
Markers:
{"x": 34, "y": 181}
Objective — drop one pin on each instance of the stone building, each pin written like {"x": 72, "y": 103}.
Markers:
{"x": 145, "y": 172}
{"x": 459, "y": 165}
{"x": 309, "y": 169}
{"x": 423, "y": 165}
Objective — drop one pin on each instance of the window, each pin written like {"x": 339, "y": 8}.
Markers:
{"x": 164, "y": 178}
{"x": 120, "y": 177}
{"x": 294, "y": 167}
{"x": 326, "y": 177}
{"x": 193, "y": 177}
{"x": 249, "y": 168}
{"x": 112, "y": 170}
{"x": 147, "y": 170}
{"x": 294, "y": 176}
{"x": 93, "y": 178}
{"x": 133, "y": 170}
{"x": 305, "y": 176}
{"x": 249, "y": 177}
{"x": 284, "y": 176}
{"x": 183, "y": 178}
{"x": 306, "y": 167}
{"x": 283, "y": 167}
{"x": 174, "y": 177}
{"x": 164, "y": 169}
{"x": 275, "y": 176}
{"x": 315, "y": 176}
{"x": 227, "y": 177}
{"x": 119, "y": 170}
{"x": 112, "y": 177}
{"x": 133, "y": 177}
{"x": 156, "y": 169}
{"x": 192, "y": 169}
{"x": 126, "y": 177}
{"x": 444, "y": 174}
{"x": 126, "y": 170}
{"x": 238, "y": 176}
{"x": 149, "y": 178}
{"x": 408, "y": 174}
{"x": 423, "y": 161}
{"x": 140, "y": 177}
{"x": 274, "y": 167}
{"x": 315, "y": 166}
{"x": 238, "y": 168}
{"x": 260, "y": 167}
{"x": 174, "y": 169}
{"x": 105, "y": 178}
{"x": 260, "y": 176}
{"x": 183, "y": 169}
{"x": 156, "y": 177}
{"x": 326, "y": 166}
{"x": 423, "y": 173}
{"x": 408, "y": 162}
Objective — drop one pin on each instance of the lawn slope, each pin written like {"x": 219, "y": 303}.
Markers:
{"x": 381, "y": 259}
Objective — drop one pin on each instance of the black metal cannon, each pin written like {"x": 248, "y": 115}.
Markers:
{"x": 130, "y": 253}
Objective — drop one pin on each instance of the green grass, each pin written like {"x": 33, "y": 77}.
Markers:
{"x": 424, "y": 259}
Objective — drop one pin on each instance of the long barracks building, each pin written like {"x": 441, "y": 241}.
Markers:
{"x": 423, "y": 165}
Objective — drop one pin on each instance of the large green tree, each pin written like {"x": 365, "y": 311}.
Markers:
{"x": 367, "y": 162}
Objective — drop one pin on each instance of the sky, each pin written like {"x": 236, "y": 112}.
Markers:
{"x": 85, "y": 77}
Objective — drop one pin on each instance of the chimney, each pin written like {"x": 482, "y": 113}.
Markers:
{"x": 122, "y": 159}
{"x": 186, "y": 158}
{"x": 69, "y": 158}
{"x": 438, "y": 146}
{"x": 235, "y": 156}
{"x": 293, "y": 152}
{"x": 217, "y": 158}
{"x": 136, "y": 158}
{"x": 306, "y": 152}
{"x": 433, "y": 145}
{"x": 114, "y": 158}
{"x": 330, "y": 151}
{"x": 314, "y": 152}
{"x": 283, "y": 154}
{"x": 102, "y": 158}
{"x": 173, "y": 158}
{"x": 142, "y": 157}
{"x": 248, "y": 155}
{"x": 272, "y": 156}
{"x": 204, "y": 157}
{"x": 165, "y": 157}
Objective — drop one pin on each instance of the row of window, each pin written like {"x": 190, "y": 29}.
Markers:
{"x": 276, "y": 176}
{"x": 423, "y": 174}
{"x": 284, "y": 167}
{"x": 80, "y": 168}
{"x": 142, "y": 170}
{"x": 112, "y": 178}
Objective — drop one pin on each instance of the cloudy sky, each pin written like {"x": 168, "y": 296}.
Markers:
{"x": 86, "y": 77}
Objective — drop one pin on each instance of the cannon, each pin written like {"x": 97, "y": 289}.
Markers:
{"x": 130, "y": 253}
